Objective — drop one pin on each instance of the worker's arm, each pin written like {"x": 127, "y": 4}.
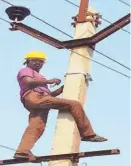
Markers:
{"x": 57, "y": 92}
{"x": 32, "y": 82}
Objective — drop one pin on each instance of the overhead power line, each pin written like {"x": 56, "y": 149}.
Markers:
{"x": 115, "y": 25}
{"x": 4, "y": 20}
{"x": 72, "y": 37}
{"x": 71, "y": 3}
{"x": 101, "y": 64}
{"x": 101, "y": 18}
{"x": 51, "y": 25}
{"x": 39, "y": 19}
{"x": 59, "y": 29}
{"x": 7, "y": 2}
{"x": 124, "y": 3}
{"x": 6, "y": 147}
{"x": 112, "y": 59}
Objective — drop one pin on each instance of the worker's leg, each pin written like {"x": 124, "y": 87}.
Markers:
{"x": 36, "y": 100}
{"x": 37, "y": 122}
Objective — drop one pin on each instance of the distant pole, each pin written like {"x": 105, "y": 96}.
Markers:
{"x": 67, "y": 138}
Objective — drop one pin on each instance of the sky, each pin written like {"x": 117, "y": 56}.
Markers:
{"x": 107, "y": 105}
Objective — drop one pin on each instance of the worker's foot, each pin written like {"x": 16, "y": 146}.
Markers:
{"x": 95, "y": 138}
{"x": 27, "y": 155}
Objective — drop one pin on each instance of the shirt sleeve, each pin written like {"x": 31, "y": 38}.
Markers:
{"x": 25, "y": 72}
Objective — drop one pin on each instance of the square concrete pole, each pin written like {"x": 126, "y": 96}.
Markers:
{"x": 67, "y": 138}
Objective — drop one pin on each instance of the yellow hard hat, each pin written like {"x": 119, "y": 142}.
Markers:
{"x": 35, "y": 55}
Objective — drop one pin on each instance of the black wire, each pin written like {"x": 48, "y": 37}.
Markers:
{"x": 51, "y": 25}
{"x": 71, "y": 3}
{"x": 7, "y": 2}
{"x": 101, "y": 18}
{"x": 124, "y": 3}
{"x": 59, "y": 29}
{"x": 94, "y": 50}
{"x": 4, "y": 20}
{"x": 72, "y": 37}
{"x": 101, "y": 64}
{"x": 78, "y": 5}
{"x": 96, "y": 61}
{"x": 42, "y": 21}
{"x": 115, "y": 25}
{"x": 6, "y": 147}
{"x": 112, "y": 59}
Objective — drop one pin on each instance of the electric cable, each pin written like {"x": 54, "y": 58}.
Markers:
{"x": 70, "y": 37}
{"x": 41, "y": 20}
{"x": 124, "y": 3}
{"x": 82, "y": 55}
{"x": 101, "y": 64}
{"x": 101, "y": 18}
{"x": 6, "y": 147}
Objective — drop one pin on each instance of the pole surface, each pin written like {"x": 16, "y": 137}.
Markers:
{"x": 67, "y": 138}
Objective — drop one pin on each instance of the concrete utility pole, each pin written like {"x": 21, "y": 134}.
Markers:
{"x": 67, "y": 138}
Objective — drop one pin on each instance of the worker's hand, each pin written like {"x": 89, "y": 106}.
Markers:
{"x": 55, "y": 81}
{"x": 57, "y": 92}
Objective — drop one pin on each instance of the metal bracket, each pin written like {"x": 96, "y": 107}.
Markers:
{"x": 95, "y": 19}
{"x": 87, "y": 76}
{"x": 74, "y": 159}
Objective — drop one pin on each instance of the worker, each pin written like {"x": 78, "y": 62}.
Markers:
{"x": 38, "y": 100}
